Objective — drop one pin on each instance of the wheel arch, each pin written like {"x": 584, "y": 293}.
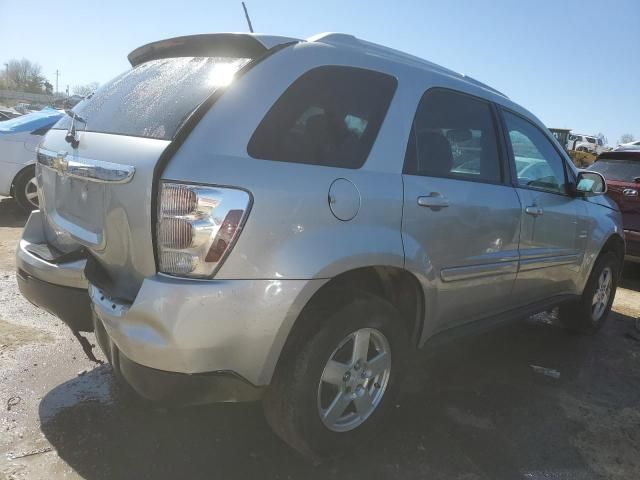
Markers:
{"x": 614, "y": 243}
{"x": 396, "y": 285}
{"x": 31, "y": 166}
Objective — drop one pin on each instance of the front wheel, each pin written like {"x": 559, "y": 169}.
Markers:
{"x": 588, "y": 314}
{"x": 332, "y": 393}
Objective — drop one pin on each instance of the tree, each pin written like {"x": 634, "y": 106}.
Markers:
{"x": 24, "y": 75}
{"x": 626, "y": 138}
{"x": 84, "y": 90}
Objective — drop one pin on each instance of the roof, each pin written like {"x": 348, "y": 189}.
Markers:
{"x": 252, "y": 45}
{"x": 620, "y": 155}
{"x": 349, "y": 41}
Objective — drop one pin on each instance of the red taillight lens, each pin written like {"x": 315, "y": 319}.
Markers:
{"x": 226, "y": 233}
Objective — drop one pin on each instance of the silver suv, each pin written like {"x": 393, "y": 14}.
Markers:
{"x": 244, "y": 216}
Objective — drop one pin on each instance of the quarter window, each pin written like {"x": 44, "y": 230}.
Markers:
{"x": 329, "y": 116}
{"x": 453, "y": 135}
{"x": 538, "y": 164}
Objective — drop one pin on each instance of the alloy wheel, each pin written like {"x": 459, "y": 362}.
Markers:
{"x": 31, "y": 192}
{"x": 601, "y": 295}
{"x": 354, "y": 380}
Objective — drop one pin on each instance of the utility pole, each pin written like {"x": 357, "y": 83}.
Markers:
{"x": 57, "y": 75}
{"x": 246, "y": 14}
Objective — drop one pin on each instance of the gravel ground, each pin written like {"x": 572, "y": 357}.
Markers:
{"x": 473, "y": 410}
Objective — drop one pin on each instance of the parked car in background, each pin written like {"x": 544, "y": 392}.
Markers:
{"x": 19, "y": 139}
{"x": 621, "y": 170}
{"x": 8, "y": 114}
{"x": 328, "y": 206}
{"x": 585, "y": 143}
{"x": 635, "y": 145}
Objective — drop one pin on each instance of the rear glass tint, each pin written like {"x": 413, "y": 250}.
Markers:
{"x": 154, "y": 98}
{"x": 329, "y": 116}
{"x": 617, "y": 170}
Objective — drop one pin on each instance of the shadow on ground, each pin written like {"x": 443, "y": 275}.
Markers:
{"x": 475, "y": 409}
{"x": 11, "y": 215}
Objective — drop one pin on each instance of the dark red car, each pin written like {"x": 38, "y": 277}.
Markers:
{"x": 622, "y": 172}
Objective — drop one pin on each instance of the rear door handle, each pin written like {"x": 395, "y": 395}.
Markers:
{"x": 533, "y": 210}
{"x": 434, "y": 201}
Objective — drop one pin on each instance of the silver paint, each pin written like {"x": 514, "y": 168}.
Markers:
{"x": 473, "y": 247}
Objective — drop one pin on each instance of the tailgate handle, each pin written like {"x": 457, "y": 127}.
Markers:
{"x": 85, "y": 168}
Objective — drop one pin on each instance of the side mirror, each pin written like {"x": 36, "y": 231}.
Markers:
{"x": 590, "y": 183}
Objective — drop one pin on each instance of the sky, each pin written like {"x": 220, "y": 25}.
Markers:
{"x": 575, "y": 64}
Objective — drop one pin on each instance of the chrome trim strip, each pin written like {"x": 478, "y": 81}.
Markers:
{"x": 85, "y": 168}
{"x": 632, "y": 258}
{"x": 454, "y": 274}
{"x": 546, "y": 262}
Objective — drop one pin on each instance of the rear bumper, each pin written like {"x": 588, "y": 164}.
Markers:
{"x": 232, "y": 328}
{"x": 196, "y": 327}
{"x": 58, "y": 288}
{"x": 176, "y": 388}
{"x": 69, "y": 304}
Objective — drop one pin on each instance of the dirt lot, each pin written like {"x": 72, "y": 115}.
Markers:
{"x": 474, "y": 410}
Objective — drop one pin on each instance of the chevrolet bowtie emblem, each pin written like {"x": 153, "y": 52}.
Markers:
{"x": 59, "y": 163}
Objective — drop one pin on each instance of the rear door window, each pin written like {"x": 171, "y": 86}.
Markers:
{"x": 154, "y": 98}
{"x": 454, "y": 136}
{"x": 329, "y": 116}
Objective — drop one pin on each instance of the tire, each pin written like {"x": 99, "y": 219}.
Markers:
{"x": 294, "y": 400}
{"x": 583, "y": 316}
{"x": 24, "y": 187}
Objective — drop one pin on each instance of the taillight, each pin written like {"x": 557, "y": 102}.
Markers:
{"x": 197, "y": 227}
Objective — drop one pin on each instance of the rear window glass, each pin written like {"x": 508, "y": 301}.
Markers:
{"x": 329, "y": 116}
{"x": 153, "y": 99}
{"x": 620, "y": 170}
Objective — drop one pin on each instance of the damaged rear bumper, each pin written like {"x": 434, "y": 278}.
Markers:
{"x": 57, "y": 283}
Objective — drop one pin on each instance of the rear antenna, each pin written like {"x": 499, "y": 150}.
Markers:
{"x": 246, "y": 15}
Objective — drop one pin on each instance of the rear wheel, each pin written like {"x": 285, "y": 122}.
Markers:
{"x": 588, "y": 314}
{"x": 25, "y": 189}
{"x": 333, "y": 392}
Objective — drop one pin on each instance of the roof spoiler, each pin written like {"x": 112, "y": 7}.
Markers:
{"x": 238, "y": 45}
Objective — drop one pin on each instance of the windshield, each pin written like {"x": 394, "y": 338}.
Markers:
{"x": 153, "y": 99}
{"x": 617, "y": 170}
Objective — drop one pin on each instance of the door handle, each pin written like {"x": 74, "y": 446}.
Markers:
{"x": 630, "y": 192}
{"x": 533, "y": 210}
{"x": 434, "y": 201}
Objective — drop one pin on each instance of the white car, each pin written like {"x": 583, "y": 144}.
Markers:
{"x": 585, "y": 143}
{"x": 19, "y": 139}
{"x": 635, "y": 145}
